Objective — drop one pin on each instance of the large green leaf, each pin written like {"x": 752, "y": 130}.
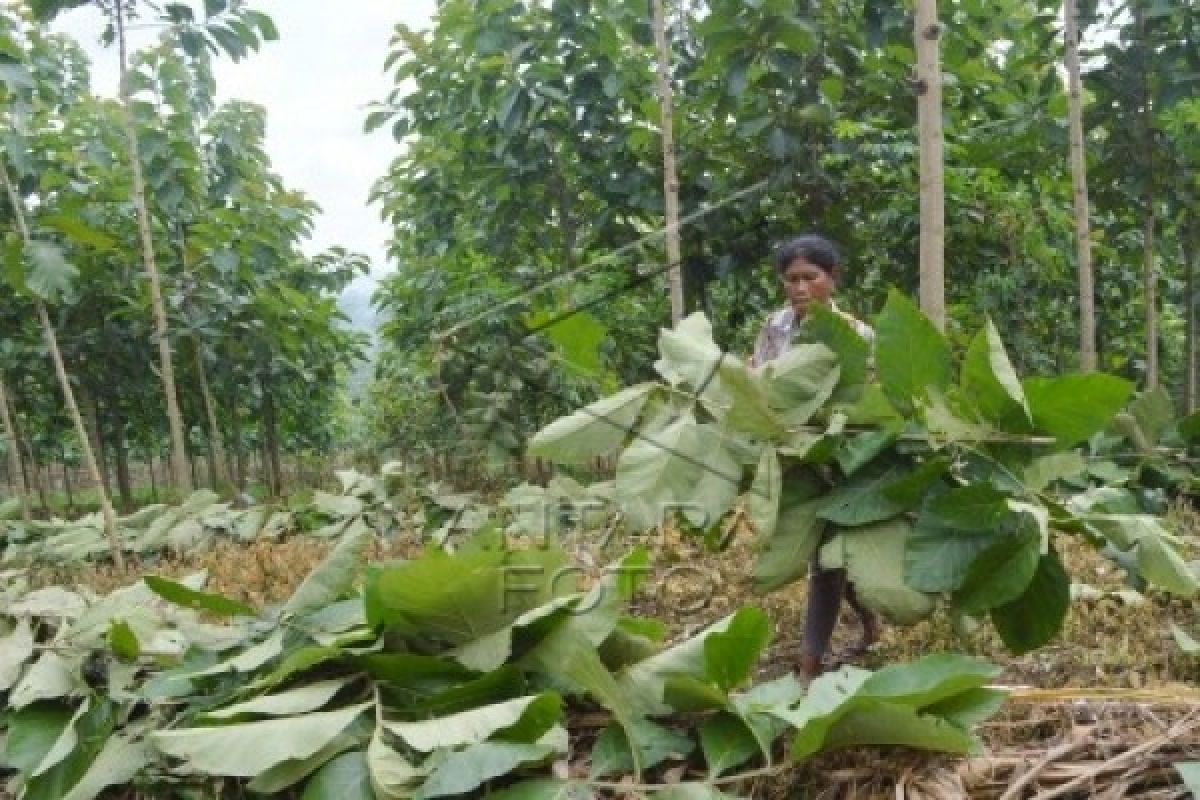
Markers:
{"x": 346, "y": 777}
{"x": 52, "y": 676}
{"x": 786, "y": 554}
{"x": 1154, "y": 414}
{"x": 333, "y": 577}
{"x": 1001, "y": 573}
{"x": 250, "y": 748}
{"x": 685, "y": 468}
{"x": 461, "y": 598}
{"x": 1073, "y": 407}
{"x": 1036, "y": 616}
{"x": 991, "y": 383}
{"x": 197, "y": 600}
{"x": 727, "y": 743}
{"x": 824, "y": 325}
{"x": 801, "y": 381}
{"x": 688, "y": 355}
{"x": 745, "y": 407}
{"x": 910, "y": 353}
{"x": 300, "y": 700}
{"x": 862, "y": 500}
{"x": 731, "y": 655}
{"x": 594, "y": 430}
{"x": 937, "y": 558}
{"x": 50, "y": 276}
{"x": 470, "y": 727}
{"x": 933, "y": 679}
{"x": 890, "y": 724}
{"x": 118, "y": 763}
{"x": 1162, "y": 566}
{"x": 15, "y": 650}
{"x": 762, "y": 501}
{"x": 32, "y": 732}
{"x": 465, "y": 770}
{"x": 873, "y": 557}
{"x": 976, "y": 507}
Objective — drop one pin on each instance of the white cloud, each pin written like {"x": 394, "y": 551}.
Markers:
{"x": 315, "y": 83}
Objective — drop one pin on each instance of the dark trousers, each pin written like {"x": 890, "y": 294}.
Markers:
{"x": 826, "y": 587}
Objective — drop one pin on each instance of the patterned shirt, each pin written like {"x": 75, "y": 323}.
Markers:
{"x": 776, "y": 335}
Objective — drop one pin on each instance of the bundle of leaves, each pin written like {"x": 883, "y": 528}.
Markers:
{"x": 440, "y": 675}
{"x": 925, "y": 476}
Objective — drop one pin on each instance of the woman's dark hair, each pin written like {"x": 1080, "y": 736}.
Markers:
{"x": 813, "y": 248}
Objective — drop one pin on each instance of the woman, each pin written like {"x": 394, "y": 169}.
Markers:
{"x": 808, "y": 267}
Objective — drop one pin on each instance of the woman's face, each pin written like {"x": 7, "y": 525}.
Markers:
{"x": 805, "y": 283}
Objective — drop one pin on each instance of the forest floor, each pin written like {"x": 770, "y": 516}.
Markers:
{"x": 1102, "y": 712}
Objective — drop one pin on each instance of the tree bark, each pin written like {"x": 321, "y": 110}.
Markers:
{"x": 66, "y": 475}
{"x": 121, "y": 451}
{"x": 929, "y": 123}
{"x": 670, "y": 180}
{"x": 239, "y": 458}
{"x": 153, "y": 480}
{"x": 179, "y": 471}
{"x": 1149, "y": 279}
{"x": 91, "y": 410}
{"x": 1190, "y": 242}
{"x": 218, "y": 459}
{"x": 1083, "y": 242}
{"x": 274, "y": 468}
{"x": 16, "y": 465}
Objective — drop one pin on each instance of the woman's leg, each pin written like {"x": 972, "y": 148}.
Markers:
{"x": 868, "y": 619}
{"x": 825, "y": 590}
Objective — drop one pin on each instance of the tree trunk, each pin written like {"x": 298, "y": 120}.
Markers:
{"x": 121, "y": 451}
{"x": 153, "y": 480}
{"x": 1189, "y": 242}
{"x": 271, "y": 441}
{"x": 1149, "y": 279}
{"x": 179, "y": 472}
{"x": 239, "y": 457}
{"x": 218, "y": 460}
{"x": 670, "y": 181}
{"x": 1083, "y": 242}
{"x": 929, "y": 122}
{"x": 16, "y": 465}
{"x": 60, "y": 368}
{"x": 66, "y": 475}
{"x": 91, "y": 410}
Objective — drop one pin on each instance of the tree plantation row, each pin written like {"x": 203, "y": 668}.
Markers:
{"x": 155, "y": 283}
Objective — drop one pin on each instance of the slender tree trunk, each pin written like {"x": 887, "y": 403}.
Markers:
{"x": 91, "y": 410}
{"x": 153, "y": 480}
{"x": 1083, "y": 241}
{"x": 1149, "y": 279}
{"x": 218, "y": 459}
{"x": 66, "y": 475}
{"x": 16, "y": 465}
{"x": 670, "y": 180}
{"x": 121, "y": 451}
{"x": 239, "y": 456}
{"x": 271, "y": 440}
{"x": 929, "y": 122}
{"x": 179, "y": 472}
{"x": 1189, "y": 243}
{"x": 192, "y": 465}
{"x": 110, "y": 517}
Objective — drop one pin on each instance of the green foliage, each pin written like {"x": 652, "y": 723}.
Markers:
{"x": 435, "y": 687}
{"x": 956, "y": 491}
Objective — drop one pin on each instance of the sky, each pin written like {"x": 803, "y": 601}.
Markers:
{"x": 315, "y": 82}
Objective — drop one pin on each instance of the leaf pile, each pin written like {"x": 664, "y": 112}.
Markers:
{"x": 439, "y": 676}
{"x": 938, "y": 479}
{"x": 386, "y": 504}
